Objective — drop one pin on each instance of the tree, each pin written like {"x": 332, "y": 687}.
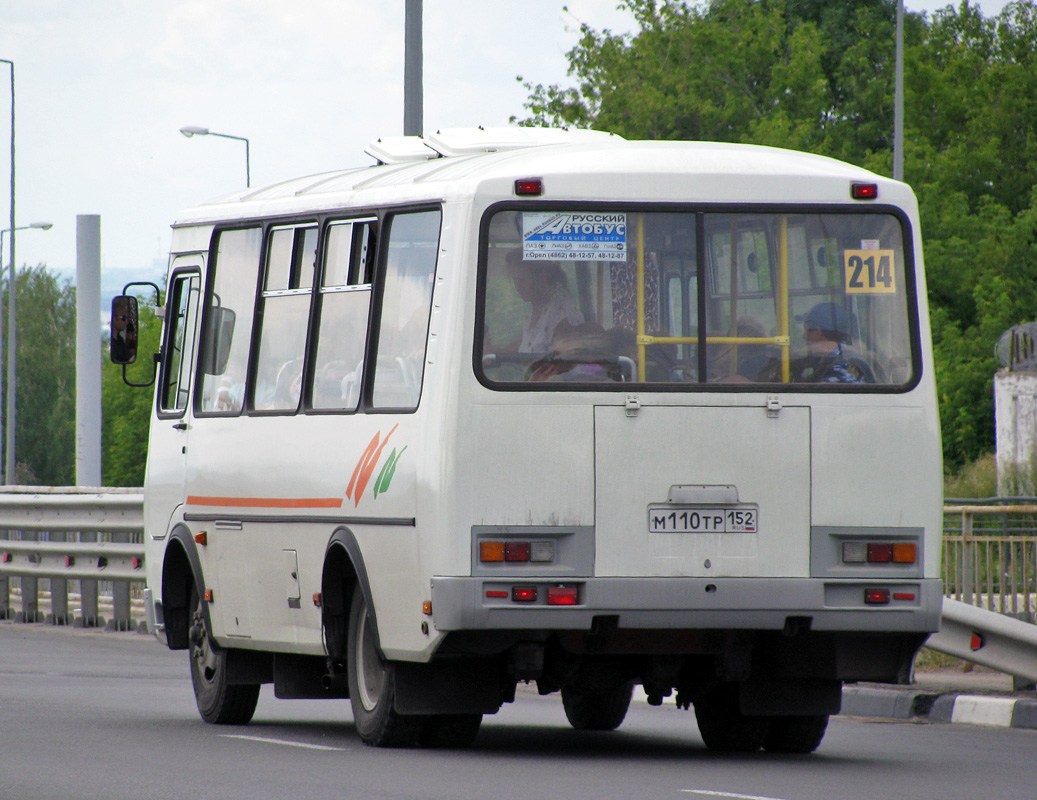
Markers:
{"x": 127, "y": 409}
{"x": 46, "y": 367}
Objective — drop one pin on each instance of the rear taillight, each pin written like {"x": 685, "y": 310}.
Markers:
{"x": 863, "y": 552}
{"x": 515, "y": 551}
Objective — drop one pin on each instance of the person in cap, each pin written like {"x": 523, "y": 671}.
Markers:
{"x": 828, "y": 330}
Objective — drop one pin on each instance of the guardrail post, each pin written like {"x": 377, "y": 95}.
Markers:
{"x": 58, "y": 591}
{"x": 120, "y": 597}
{"x": 90, "y": 617}
{"x": 967, "y": 556}
{"x": 30, "y": 589}
{"x": 5, "y": 586}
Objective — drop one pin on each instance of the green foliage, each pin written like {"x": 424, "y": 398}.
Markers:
{"x": 46, "y": 367}
{"x": 127, "y": 409}
{"x": 818, "y": 76}
{"x": 976, "y": 481}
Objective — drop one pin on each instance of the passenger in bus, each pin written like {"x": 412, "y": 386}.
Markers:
{"x": 578, "y": 353}
{"x": 542, "y": 285}
{"x": 831, "y": 357}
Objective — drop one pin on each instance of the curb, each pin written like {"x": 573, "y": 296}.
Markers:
{"x": 1006, "y": 712}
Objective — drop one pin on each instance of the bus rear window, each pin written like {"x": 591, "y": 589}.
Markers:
{"x": 688, "y": 300}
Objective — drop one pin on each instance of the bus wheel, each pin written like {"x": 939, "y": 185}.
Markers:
{"x": 724, "y": 727}
{"x": 449, "y": 731}
{"x": 371, "y": 686}
{"x": 219, "y": 703}
{"x": 796, "y": 734}
{"x": 604, "y": 711}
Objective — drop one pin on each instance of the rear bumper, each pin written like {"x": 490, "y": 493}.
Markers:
{"x": 462, "y": 604}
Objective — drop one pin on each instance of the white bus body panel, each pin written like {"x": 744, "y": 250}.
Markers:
{"x": 477, "y": 457}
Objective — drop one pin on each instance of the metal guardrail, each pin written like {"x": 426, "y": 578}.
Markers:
{"x": 987, "y": 638}
{"x": 51, "y": 535}
{"x": 990, "y": 565}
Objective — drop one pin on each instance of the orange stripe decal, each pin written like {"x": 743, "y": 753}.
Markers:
{"x": 266, "y": 502}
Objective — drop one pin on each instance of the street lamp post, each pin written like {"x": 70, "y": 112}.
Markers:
{"x": 194, "y": 130}
{"x": 12, "y": 340}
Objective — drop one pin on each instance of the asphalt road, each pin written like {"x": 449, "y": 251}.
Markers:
{"x": 112, "y": 716}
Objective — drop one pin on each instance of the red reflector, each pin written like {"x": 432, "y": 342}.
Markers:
{"x": 136, "y": 562}
{"x": 903, "y": 595}
{"x": 524, "y": 594}
{"x": 70, "y": 561}
{"x": 864, "y": 191}
{"x": 880, "y": 553}
{"x": 876, "y": 597}
{"x": 496, "y": 593}
{"x": 561, "y": 595}
{"x": 516, "y": 551}
{"x": 533, "y": 187}
{"x": 7, "y": 558}
{"x": 976, "y": 643}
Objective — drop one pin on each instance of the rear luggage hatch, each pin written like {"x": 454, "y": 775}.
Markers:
{"x": 702, "y": 491}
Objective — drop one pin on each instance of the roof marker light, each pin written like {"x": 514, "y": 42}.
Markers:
{"x": 529, "y": 187}
{"x": 864, "y": 191}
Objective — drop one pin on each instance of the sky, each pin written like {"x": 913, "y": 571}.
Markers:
{"x": 102, "y": 88}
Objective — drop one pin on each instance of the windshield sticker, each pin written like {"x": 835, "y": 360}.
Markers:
{"x": 574, "y": 236}
{"x": 869, "y": 272}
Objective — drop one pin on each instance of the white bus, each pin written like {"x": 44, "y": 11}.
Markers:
{"x": 516, "y": 406}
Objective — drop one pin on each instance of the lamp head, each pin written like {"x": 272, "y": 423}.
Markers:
{"x": 194, "y": 130}
{"x": 42, "y": 225}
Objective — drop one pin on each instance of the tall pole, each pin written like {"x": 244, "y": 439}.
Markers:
{"x": 9, "y": 466}
{"x": 88, "y": 354}
{"x": 898, "y": 99}
{"x": 413, "y": 124}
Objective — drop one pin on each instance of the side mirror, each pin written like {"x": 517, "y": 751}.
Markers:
{"x": 122, "y": 348}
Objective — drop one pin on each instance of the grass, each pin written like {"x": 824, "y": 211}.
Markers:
{"x": 975, "y": 480}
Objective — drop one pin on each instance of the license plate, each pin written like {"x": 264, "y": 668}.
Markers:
{"x": 668, "y": 519}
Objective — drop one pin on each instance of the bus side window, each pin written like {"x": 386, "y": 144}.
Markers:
{"x": 291, "y": 261}
{"x": 410, "y": 269}
{"x": 345, "y": 301}
{"x": 179, "y": 349}
{"x": 227, "y": 324}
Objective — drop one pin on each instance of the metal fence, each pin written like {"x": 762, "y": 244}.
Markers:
{"x": 990, "y": 556}
{"x": 54, "y": 538}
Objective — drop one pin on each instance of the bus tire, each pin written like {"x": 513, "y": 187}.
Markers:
{"x": 799, "y": 734}
{"x": 219, "y": 702}
{"x": 371, "y": 686}
{"x": 449, "y": 731}
{"x": 604, "y": 711}
{"x": 724, "y": 727}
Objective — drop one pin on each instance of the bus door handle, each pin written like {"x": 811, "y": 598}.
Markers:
{"x": 180, "y": 426}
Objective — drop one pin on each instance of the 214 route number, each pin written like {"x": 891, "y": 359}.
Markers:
{"x": 702, "y": 520}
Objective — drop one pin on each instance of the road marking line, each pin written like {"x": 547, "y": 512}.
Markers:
{"x": 732, "y": 795}
{"x": 278, "y": 741}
